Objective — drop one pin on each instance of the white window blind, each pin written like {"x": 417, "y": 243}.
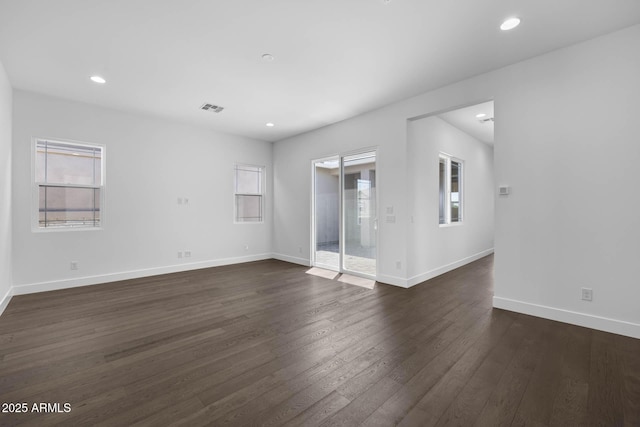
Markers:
{"x": 249, "y": 193}
{"x": 69, "y": 182}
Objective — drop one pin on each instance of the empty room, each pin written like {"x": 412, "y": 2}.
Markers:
{"x": 319, "y": 213}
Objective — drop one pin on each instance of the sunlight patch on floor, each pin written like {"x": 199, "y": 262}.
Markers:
{"x": 358, "y": 281}
{"x": 321, "y": 272}
{"x": 344, "y": 278}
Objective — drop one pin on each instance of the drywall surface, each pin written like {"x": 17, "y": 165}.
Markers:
{"x": 566, "y": 144}
{"x": 432, "y": 246}
{"x": 566, "y": 125}
{"x": 6, "y": 279}
{"x": 150, "y": 164}
{"x": 292, "y": 186}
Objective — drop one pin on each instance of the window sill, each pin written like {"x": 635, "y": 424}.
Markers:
{"x": 63, "y": 229}
{"x": 452, "y": 224}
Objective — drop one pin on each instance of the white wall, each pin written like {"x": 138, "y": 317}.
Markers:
{"x": 292, "y": 185}
{"x": 568, "y": 146}
{"x": 566, "y": 142}
{"x": 435, "y": 249}
{"x": 150, "y": 162}
{"x": 6, "y": 279}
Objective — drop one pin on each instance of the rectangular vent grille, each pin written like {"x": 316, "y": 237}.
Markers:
{"x": 212, "y": 108}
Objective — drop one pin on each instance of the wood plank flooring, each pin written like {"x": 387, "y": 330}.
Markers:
{"x": 265, "y": 344}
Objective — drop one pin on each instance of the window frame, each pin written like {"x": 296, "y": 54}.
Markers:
{"x": 448, "y": 160}
{"x": 35, "y": 186}
{"x": 262, "y": 194}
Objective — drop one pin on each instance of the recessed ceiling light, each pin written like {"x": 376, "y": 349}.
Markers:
{"x": 98, "y": 79}
{"x": 267, "y": 57}
{"x": 481, "y": 115}
{"x": 510, "y": 24}
{"x": 270, "y": 125}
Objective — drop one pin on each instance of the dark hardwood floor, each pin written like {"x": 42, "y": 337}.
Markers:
{"x": 264, "y": 343}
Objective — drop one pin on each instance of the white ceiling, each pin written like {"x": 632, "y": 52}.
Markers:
{"x": 333, "y": 58}
{"x": 465, "y": 119}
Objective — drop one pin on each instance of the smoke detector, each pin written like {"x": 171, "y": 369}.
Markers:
{"x": 212, "y": 108}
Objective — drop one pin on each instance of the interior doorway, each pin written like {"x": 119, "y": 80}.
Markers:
{"x": 344, "y": 237}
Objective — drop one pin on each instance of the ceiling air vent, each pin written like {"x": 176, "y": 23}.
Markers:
{"x": 487, "y": 120}
{"x": 212, "y": 108}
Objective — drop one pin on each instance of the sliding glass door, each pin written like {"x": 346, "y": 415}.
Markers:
{"x": 359, "y": 214}
{"x": 345, "y": 213}
{"x": 326, "y": 188}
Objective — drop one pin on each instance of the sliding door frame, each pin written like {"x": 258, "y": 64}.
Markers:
{"x": 314, "y": 245}
{"x": 341, "y": 227}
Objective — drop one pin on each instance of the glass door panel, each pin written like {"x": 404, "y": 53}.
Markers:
{"x": 327, "y": 213}
{"x": 359, "y": 213}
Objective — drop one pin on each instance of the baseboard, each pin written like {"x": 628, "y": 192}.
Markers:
{"x": 392, "y": 280}
{"x": 399, "y": 281}
{"x": 572, "y": 317}
{"x": 292, "y": 259}
{"x": 133, "y": 274}
{"x": 446, "y": 268}
{"x": 4, "y": 302}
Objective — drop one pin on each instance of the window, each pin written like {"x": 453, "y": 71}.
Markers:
{"x": 450, "y": 190}
{"x": 249, "y": 191}
{"x": 69, "y": 179}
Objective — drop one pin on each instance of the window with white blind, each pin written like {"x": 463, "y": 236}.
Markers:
{"x": 249, "y": 193}
{"x": 69, "y": 180}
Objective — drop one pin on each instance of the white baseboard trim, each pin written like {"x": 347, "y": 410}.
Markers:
{"x": 134, "y": 274}
{"x": 392, "y": 280}
{"x": 292, "y": 259}
{"x": 412, "y": 281}
{"x": 605, "y": 324}
{"x": 4, "y": 302}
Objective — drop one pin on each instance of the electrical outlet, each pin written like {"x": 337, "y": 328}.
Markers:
{"x": 186, "y": 201}
{"x": 179, "y": 254}
{"x": 587, "y": 294}
{"x": 246, "y": 247}
{"x": 299, "y": 249}
{"x": 74, "y": 265}
{"x": 179, "y": 200}
{"x": 398, "y": 265}
{"x": 187, "y": 254}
